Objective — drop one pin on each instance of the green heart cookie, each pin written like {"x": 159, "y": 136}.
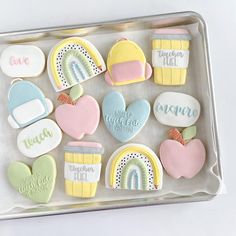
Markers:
{"x": 37, "y": 185}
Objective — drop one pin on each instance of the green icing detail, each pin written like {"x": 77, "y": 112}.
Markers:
{"x": 37, "y": 185}
{"x": 84, "y": 65}
{"x": 189, "y": 133}
{"x": 143, "y": 172}
{"x": 76, "y": 92}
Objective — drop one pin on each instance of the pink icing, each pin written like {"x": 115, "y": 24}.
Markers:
{"x": 148, "y": 71}
{"x": 182, "y": 160}
{"x": 128, "y": 71}
{"x": 15, "y": 61}
{"x": 79, "y": 119}
{"x": 108, "y": 78}
{"x": 84, "y": 144}
{"x": 171, "y": 31}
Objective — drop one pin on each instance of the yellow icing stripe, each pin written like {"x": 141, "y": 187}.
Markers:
{"x": 82, "y": 158}
{"x": 165, "y": 44}
{"x": 123, "y": 153}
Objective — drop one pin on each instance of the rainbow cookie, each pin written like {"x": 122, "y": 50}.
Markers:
{"x": 36, "y": 184}
{"x": 82, "y": 168}
{"x": 124, "y": 123}
{"x": 72, "y": 61}
{"x": 183, "y": 160}
{"x": 26, "y": 104}
{"x": 134, "y": 167}
{"x": 126, "y": 64}
{"x": 170, "y": 56}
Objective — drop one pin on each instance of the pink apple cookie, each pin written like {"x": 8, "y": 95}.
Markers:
{"x": 183, "y": 160}
{"x": 79, "y": 119}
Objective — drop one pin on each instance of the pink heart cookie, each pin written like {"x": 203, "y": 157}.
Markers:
{"x": 79, "y": 119}
{"x": 182, "y": 160}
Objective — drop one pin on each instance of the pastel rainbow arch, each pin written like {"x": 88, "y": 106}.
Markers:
{"x": 72, "y": 61}
{"x": 134, "y": 167}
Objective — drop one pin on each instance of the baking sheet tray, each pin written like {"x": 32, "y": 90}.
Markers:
{"x": 204, "y": 186}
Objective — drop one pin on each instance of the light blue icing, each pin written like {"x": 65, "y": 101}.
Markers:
{"x": 124, "y": 123}
{"x": 172, "y": 36}
{"x": 88, "y": 150}
{"x": 78, "y": 72}
{"x": 76, "y": 67}
{"x": 22, "y": 92}
{"x": 176, "y": 110}
{"x": 133, "y": 180}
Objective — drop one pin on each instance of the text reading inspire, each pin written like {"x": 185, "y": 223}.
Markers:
{"x": 176, "y": 109}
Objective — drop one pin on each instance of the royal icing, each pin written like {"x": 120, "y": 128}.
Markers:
{"x": 134, "y": 167}
{"x": 182, "y": 160}
{"x": 36, "y": 185}
{"x": 170, "y": 56}
{"x": 39, "y": 138}
{"x": 72, "y": 61}
{"x": 26, "y": 104}
{"x": 82, "y": 168}
{"x": 22, "y": 61}
{"x": 176, "y": 109}
{"x": 79, "y": 119}
{"x": 124, "y": 123}
{"x": 126, "y": 64}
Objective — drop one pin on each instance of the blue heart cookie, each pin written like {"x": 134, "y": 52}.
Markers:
{"x": 124, "y": 123}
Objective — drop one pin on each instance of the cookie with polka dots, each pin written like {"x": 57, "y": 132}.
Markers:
{"x": 72, "y": 61}
{"x": 134, "y": 167}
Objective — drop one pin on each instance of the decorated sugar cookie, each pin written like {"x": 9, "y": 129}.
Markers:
{"x": 73, "y": 32}
{"x": 176, "y": 109}
{"x": 121, "y": 121}
{"x": 134, "y": 167}
{"x": 36, "y": 184}
{"x": 72, "y": 61}
{"x": 82, "y": 168}
{"x": 170, "y": 56}
{"x": 79, "y": 119}
{"x": 23, "y": 38}
{"x": 39, "y": 138}
{"x": 183, "y": 160}
{"x": 126, "y": 64}
{"x": 22, "y": 61}
{"x": 26, "y": 104}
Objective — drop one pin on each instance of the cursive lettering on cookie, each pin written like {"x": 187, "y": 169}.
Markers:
{"x": 39, "y": 138}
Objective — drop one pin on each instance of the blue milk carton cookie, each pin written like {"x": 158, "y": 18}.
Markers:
{"x": 26, "y": 104}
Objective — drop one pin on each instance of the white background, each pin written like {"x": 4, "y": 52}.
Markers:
{"x": 217, "y": 217}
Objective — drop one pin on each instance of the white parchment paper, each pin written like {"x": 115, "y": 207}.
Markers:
{"x": 207, "y": 181}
